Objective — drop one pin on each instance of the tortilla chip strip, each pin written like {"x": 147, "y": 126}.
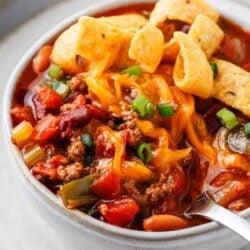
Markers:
{"x": 97, "y": 41}
{"x": 232, "y": 86}
{"x": 192, "y": 72}
{"x": 147, "y": 48}
{"x": 181, "y": 10}
{"x": 64, "y": 50}
{"x": 207, "y": 34}
{"x": 126, "y": 21}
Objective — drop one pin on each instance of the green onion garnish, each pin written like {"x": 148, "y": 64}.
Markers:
{"x": 55, "y": 72}
{"x": 227, "y": 118}
{"x": 214, "y": 68}
{"x": 88, "y": 141}
{"x": 93, "y": 212}
{"x": 143, "y": 107}
{"x": 144, "y": 152}
{"x": 61, "y": 88}
{"x": 247, "y": 129}
{"x": 132, "y": 71}
{"x": 165, "y": 110}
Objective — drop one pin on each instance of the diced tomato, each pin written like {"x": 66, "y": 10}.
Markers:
{"x": 51, "y": 172}
{"x": 49, "y": 98}
{"x": 105, "y": 146}
{"x": 107, "y": 185}
{"x": 58, "y": 160}
{"x": 119, "y": 212}
{"x": 20, "y": 114}
{"x": 45, "y": 128}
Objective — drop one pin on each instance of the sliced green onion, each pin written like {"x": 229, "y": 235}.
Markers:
{"x": 55, "y": 72}
{"x": 247, "y": 129}
{"x": 144, "y": 152}
{"x": 214, "y": 68}
{"x": 227, "y": 118}
{"x": 88, "y": 141}
{"x": 143, "y": 107}
{"x": 166, "y": 110}
{"x": 61, "y": 88}
{"x": 93, "y": 212}
{"x": 132, "y": 71}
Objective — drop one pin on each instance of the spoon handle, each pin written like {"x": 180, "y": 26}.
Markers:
{"x": 208, "y": 209}
{"x": 229, "y": 219}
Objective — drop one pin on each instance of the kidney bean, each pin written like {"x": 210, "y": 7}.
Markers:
{"x": 212, "y": 122}
{"x": 164, "y": 222}
{"x": 77, "y": 117}
{"x": 42, "y": 59}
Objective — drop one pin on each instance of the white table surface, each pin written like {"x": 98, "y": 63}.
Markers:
{"x": 21, "y": 226}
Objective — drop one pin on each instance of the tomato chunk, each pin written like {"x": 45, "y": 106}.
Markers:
{"x": 49, "y": 98}
{"x": 107, "y": 185}
{"x": 45, "y": 128}
{"x": 20, "y": 114}
{"x": 105, "y": 146}
{"x": 119, "y": 212}
{"x": 50, "y": 172}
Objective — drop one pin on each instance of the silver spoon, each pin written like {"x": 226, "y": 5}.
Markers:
{"x": 205, "y": 207}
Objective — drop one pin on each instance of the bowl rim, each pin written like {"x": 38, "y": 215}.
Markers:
{"x": 76, "y": 217}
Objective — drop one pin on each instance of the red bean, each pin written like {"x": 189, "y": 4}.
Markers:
{"x": 164, "y": 222}
{"x": 42, "y": 59}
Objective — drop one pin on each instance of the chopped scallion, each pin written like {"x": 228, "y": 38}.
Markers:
{"x": 214, "y": 68}
{"x": 144, "y": 152}
{"x": 132, "y": 71}
{"x": 165, "y": 110}
{"x": 227, "y": 118}
{"x": 61, "y": 88}
{"x": 143, "y": 107}
{"x": 55, "y": 72}
{"x": 247, "y": 129}
{"x": 88, "y": 141}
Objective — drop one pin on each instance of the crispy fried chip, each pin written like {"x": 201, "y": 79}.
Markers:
{"x": 232, "y": 86}
{"x": 207, "y": 34}
{"x": 182, "y": 10}
{"x": 97, "y": 42}
{"x": 64, "y": 50}
{"x": 192, "y": 72}
{"x": 126, "y": 21}
{"x": 123, "y": 61}
{"x": 147, "y": 47}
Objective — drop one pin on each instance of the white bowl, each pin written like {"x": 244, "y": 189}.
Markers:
{"x": 75, "y": 224}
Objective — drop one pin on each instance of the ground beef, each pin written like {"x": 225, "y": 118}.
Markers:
{"x": 134, "y": 135}
{"x": 76, "y": 149}
{"x": 172, "y": 182}
{"x": 76, "y": 83}
{"x": 70, "y": 172}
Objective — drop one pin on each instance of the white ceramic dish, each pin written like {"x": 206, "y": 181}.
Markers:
{"x": 74, "y": 223}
